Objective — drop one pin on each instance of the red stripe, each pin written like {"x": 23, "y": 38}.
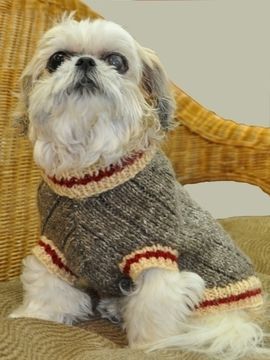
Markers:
{"x": 168, "y": 255}
{"x": 230, "y": 299}
{"x": 147, "y": 255}
{"x": 86, "y": 179}
{"x": 55, "y": 258}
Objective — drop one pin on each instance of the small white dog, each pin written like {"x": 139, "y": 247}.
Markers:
{"x": 96, "y": 105}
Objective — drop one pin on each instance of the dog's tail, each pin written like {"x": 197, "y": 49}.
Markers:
{"x": 231, "y": 335}
{"x": 162, "y": 306}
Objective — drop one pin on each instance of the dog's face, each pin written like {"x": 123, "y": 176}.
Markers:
{"x": 92, "y": 93}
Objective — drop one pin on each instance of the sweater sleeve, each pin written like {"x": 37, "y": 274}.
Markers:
{"x": 156, "y": 256}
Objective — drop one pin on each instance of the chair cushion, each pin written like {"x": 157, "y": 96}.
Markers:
{"x": 98, "y": 339}
{"x": 252, "y": 234}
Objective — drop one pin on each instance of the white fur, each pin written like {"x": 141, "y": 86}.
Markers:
{"x": 70, "y": 131}
{"x": 161, "y": 303}
{"x": 48, "y": 297}
{"x": 110, "y": 308}
{"x": 159, "y": 315}
{"x": 227, "y": 335}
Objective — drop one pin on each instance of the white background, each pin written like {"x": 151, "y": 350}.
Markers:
{"x": 218, "y": 51}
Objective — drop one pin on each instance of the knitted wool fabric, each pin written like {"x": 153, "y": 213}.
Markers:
{"x": 105, "y": 224}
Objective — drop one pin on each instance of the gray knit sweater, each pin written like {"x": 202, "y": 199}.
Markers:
{"x": 95, "y": 233}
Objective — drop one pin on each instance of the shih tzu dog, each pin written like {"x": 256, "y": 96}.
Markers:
{"x": 96, "y": 107}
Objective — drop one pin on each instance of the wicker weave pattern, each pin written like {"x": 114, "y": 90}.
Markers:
{"x": 22, "y": 23}
{"x": 197, "y": 159}
{"x": 204, "y": 147}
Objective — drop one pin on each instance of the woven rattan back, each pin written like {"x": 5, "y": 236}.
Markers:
{"x": 22, "y": 23}
{"x": 207, "y": 147}
{"x": 204, "y": 147}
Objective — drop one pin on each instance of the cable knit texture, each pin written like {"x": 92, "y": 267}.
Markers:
{"x": 148, "y": 217}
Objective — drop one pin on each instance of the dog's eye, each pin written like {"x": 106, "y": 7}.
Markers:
{"x": 56, "y": 60}
{"x": 119, "y": 62}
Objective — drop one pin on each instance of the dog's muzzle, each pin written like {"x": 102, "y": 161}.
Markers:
{"x": 86, "y": 75}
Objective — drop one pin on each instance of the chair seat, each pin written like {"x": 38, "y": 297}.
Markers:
{"x": 98, "y": 339}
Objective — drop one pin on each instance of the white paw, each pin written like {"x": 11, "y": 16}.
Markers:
{"x": 25, "y": 312}
{"x": 160, "y": 305}
{"x": 48, "y": 297}
{"x": 109, "y": 309}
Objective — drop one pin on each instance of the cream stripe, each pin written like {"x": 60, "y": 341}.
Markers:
{"x": 251, "y": 302}
{"x": 136, "y": 268}
{"x": 143, "y": 264}
{"x": 46, "y": 260}
{"x": 95, "y": 188}
{"x": 215, "y": 293}
{"x": 44, "y": 239}
{"x": 144, "y": 250}
{"x": 237, "y": 288}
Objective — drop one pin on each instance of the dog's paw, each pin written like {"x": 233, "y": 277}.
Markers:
{"x": 109, "y": 309}
{"x": 24, "y": 312}
{"x": 161, "y": 305}
{"x": 50, "y": 314}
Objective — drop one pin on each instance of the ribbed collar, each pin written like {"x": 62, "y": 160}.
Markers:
{"x": 95, "y": 180}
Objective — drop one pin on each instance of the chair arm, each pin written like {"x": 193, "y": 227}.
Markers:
{"x": 206, "y": 147}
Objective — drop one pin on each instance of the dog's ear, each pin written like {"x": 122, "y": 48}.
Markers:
{"x": 20, "y": 114}
{"x": 156, "y": 87}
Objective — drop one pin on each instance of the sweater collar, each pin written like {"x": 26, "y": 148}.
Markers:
{"x": 95, "y": 180}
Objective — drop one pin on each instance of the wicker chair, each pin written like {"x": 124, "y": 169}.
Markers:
{"x": 204, "y": 147}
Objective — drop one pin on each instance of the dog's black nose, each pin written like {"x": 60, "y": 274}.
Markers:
{"x": 85, "y": 63}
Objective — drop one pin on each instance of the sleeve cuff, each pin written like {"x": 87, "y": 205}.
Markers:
{"x": 155, "y": 256}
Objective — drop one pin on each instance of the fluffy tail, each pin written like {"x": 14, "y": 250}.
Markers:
{"x": 231, "y": 335}
{"x": 159, "y": 314}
